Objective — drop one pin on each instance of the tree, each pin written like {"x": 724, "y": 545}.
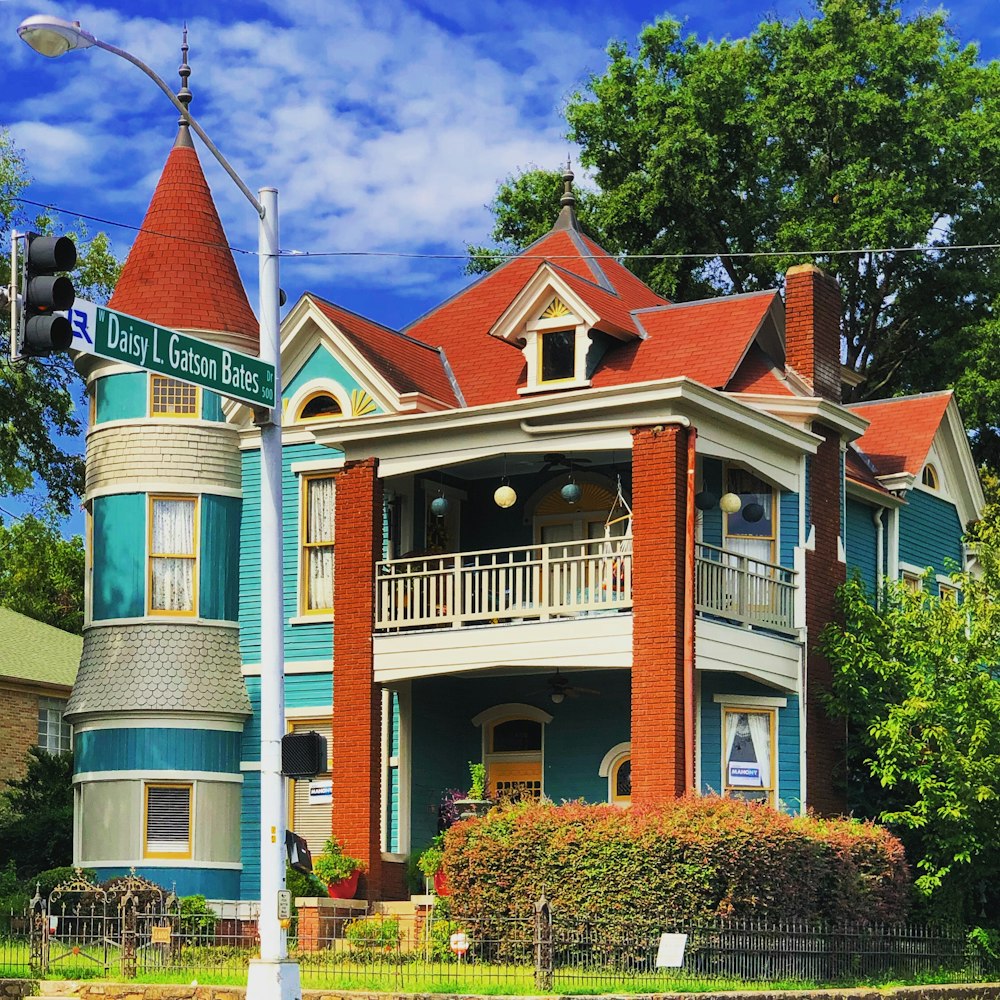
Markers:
{"x": 36, "y": 814}
{"x": 856, "y": 128}
{"x": 41, "y": 573}
{"x": 37, "y": 405}
{"x": 915, "y": 681}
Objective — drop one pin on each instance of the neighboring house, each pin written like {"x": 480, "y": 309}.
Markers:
{"x": 37, "y": 667}
{"x": 558, "y": 525}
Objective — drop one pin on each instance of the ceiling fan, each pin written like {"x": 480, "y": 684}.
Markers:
{"x": 559, "y": 688}
{"x": 555, "y": 460}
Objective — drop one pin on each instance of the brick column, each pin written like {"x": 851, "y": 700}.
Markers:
{"x": 658, "y": 493}
{"x": 825, "y": 737}
{"x": 357, "y": 703}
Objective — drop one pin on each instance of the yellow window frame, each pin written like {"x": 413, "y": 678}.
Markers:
{"x": 771, "y": 539}
{"x": 153, "y": 556}
{"x": 540, "y": 337}
{"x": 146, "y": 853}
{"x": 306, "y": 546}
{"x": 299, "y": 418}
{"x": 616, "y": 799}
{"x": 168, "y": 389}
{"x": 772, "y": 714}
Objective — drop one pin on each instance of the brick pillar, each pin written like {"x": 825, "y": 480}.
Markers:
{"x": 659, "y": 465}
{"x": 812, "y": 328}
{"x": 357, "y": 703}
{"x": 825, "y": 737}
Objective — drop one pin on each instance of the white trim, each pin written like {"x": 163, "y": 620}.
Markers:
{"x": 293, "y": 667}
{"x": 511, "y": 710}
{"x": 319, "y": 713}
{"x": 322, "y": 383}
{"x": 225, "y": 777}
{"x": 166, "y": 620}
{"x": 165, "y": 720}
{"x": 332, "y": 464}
{"x": 612, "y": 756}
{"x": 126, "y": 487}
{"x": 324, "y": 618}
{"x": 163, "y": 863}
{"x": 145, "y": 422}
{"x": 912, "y": 570}
{"x": 389, "y": 856}
{"x": 249, "y": 765}
{"x": 750, "y": 700}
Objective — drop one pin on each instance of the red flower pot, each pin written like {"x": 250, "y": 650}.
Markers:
{"x": 441, "y": 886}
{"x": 346, "y": 888}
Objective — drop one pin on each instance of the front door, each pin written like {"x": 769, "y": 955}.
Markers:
{"x": 514, "y": 760}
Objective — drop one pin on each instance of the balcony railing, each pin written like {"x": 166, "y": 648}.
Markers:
{"x": 567, "y": 579}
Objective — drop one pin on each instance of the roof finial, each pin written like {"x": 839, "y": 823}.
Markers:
{"x": 184, "y": 95}
{"x": 567, "y": 214}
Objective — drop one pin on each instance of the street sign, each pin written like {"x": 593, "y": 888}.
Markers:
{"x": 119, "y": 337}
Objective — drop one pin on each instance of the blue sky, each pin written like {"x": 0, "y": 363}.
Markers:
{"x": 386, "y": 125}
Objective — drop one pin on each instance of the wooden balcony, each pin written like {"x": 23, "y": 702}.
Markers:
{"x": 567, "y": 580}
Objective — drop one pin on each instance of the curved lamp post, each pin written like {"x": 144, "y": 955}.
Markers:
{"x": 274, "y": 976}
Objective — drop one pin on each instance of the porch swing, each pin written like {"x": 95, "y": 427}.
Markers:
{"x": 616, "y": 549}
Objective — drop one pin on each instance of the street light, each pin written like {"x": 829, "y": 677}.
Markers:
{"x": 273, "y": 975}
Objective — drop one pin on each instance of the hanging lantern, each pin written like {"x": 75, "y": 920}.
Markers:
{"x": 439, "y": 506}
{"x": 753, "y": 512}
{"x": 705, "y": 500}
{"x": 730, "y": 502}
{"x": 571, "y": 492}
{"x": 504, "y": 496}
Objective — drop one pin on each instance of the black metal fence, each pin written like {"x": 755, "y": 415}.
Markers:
{"x": 129, "y": 935}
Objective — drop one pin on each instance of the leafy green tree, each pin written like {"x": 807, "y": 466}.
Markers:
{"x": 915, "y": 679}
{"x": 36, "y": 818}
{"x": 38, "y": 398}
{"x": 854, "y": 128}
{"x": 41, "y": 573}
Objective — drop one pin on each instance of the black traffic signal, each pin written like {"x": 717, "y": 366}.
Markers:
{"x": 43, "y": 293}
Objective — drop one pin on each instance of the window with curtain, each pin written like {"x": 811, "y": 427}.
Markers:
{"x": 168, "y": 821}
{"x": 753, "y": 537}
{"x": 748, "y": 764}
{"x": 318, "y": 497}
{"x": 173, "y": 555}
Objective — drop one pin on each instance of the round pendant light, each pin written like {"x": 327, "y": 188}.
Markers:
{"x": 571, "y": 492}
{"x": 753, "y": 512}
{"x": 705, "y": 500}
{"x": 504, "y": 496}
{"x": 439, "y": 506}
{"x": 730, "y": 502}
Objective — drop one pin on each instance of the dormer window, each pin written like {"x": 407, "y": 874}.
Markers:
{"x": 929, "y": 477}
{"x": 556, "y": 355}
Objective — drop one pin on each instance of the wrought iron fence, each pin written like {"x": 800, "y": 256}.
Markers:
{"x": 136, "y": 931}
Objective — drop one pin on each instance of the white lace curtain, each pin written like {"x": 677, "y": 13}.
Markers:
{"x": 319, "y": 542}
{"x": 173, "y": 556}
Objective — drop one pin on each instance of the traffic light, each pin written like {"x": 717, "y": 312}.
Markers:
{"x": 43, "y": 294}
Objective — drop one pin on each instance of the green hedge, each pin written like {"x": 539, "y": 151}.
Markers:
{"x": 695, "y": 858}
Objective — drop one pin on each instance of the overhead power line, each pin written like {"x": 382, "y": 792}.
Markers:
{"x": 921, "y": 248}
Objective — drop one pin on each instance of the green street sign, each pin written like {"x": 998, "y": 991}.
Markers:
{"x": 119, "y": 337}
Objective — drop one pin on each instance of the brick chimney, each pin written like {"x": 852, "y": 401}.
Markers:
{"x": 812, "y": 328}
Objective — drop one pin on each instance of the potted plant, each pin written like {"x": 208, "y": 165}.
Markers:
{"x": 475, "y": 803}
{"x": 338, "y": 870}
{"x": 431, "y": 863}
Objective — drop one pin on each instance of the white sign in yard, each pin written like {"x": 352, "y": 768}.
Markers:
{"x": 670, "y": 954}
{"x": 120, "y": 337}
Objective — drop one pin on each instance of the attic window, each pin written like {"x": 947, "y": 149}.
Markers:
{"x": 319, "y": 405}
{"x": 556, "y": 355}
{"x": 929, "y": 477}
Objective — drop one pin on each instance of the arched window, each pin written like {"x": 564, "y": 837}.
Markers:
{"x": 617, "y": 768}
{"x": 318, "y": 406}
{"x": 929, "y": 477}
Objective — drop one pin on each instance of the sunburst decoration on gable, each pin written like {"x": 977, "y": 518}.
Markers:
{"x": 555, "y": 309}
{"x": 361, "y": 403}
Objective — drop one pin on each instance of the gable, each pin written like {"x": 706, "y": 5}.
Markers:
{"x": 322, "y": 370}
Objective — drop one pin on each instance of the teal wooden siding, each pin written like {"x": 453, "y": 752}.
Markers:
{"x": 930, "y": 532}
{"x": 211, "y": 406}
{"x": 309, "y": 691}
{"x": 789, "y": 783}
{"x": 392, "y": 819}
{"x": 119, "y": 577}
{"x": 250, "y": 750}
{"x": 302, "y": 642}
{"x": 120, "y": 397}
{"x": 156, "y": 750}
{"x": 788, "y": 527}
{"x": 219, "y": 575}
{"x": 711, "y": 520}
{"x": 322, "y": 364}
{"x": 250, "y": 836}
{"x": 443, "y": 738}
{"x": 862, "y": 543}
{"x": 212, "y": 883}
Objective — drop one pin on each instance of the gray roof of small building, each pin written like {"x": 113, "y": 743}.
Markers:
{"x": 37, "y": 653}
{"x": 168, "y": 668}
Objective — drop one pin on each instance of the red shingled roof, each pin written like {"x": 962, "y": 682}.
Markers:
{"x": 901, "y": 430}
{"x": 408, "y": 366}
{"x": 858, "y": 471}
{"x": 489, "y": 370}
{"x": 758, "y": 374}
{"x": 180, "y": 272}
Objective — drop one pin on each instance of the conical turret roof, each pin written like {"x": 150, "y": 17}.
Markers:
{"x": 180, "y": 272}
